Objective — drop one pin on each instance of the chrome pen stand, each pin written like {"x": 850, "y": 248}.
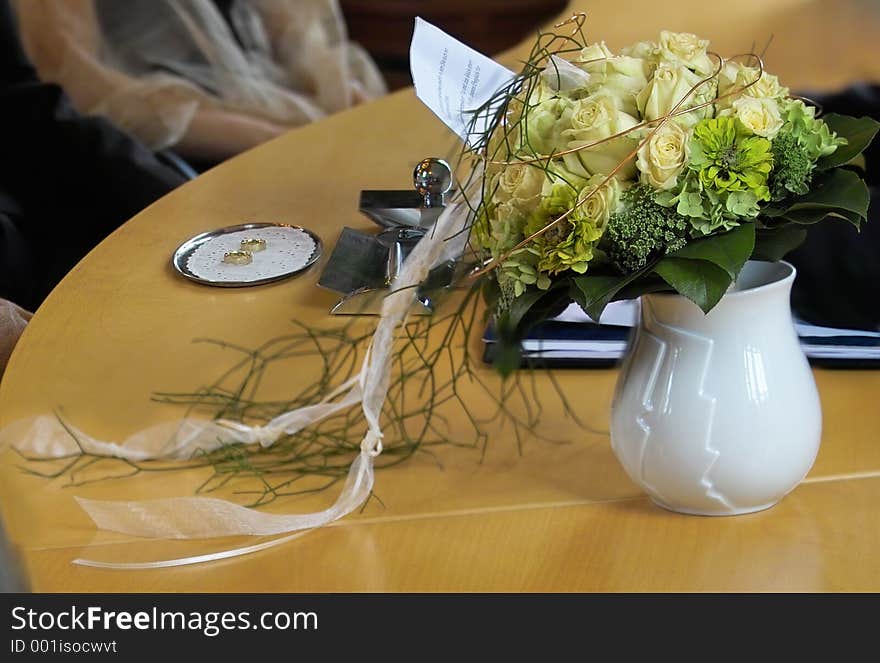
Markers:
{"x": 363, "y": 265}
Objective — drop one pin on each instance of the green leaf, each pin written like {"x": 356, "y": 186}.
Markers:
{"x": 506, "y": 358}
{"x": 701, "y": 281}
{"x": 644, "y": 285}
{"x": 729, "y": 250}
{"x": 593, "y": 292}
{"x": 807, "y": 217}
{"x": 554, "y": 302}
{"x": 521, "y": 305}
{"x": 839, "y": 190}
{"x": 858, "y": 131}
{"x": 532, "y": 307}
{"x": 773, "y": 244}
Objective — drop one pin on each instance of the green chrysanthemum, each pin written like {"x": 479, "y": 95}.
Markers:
{"x": 729, "y": 159}
{"x": 569, "y": 244}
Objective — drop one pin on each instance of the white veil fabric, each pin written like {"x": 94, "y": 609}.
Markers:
{"x": 13, "y": 320}
{"x": 150, "y": 65}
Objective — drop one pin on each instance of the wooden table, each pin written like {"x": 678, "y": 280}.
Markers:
{"x": 555, "y": 517}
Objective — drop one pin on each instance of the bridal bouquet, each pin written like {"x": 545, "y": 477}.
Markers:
{"x": 663, "y": 167}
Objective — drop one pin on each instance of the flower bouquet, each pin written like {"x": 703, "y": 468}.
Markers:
{"x": 663, "y": 167}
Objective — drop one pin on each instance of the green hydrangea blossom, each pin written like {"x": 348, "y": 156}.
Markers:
{"x": 811, "y": 134}
{"x": 513, "y": 277}
{"x": 706, "y": 210}
{"x": 559, "y": 195}
{"x": 520, "y": 271}
{"x": 641, "y": 229}
{"x": 501, "y": 226}
{"x": 498, "y": 227}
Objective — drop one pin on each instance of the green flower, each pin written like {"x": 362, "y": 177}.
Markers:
{"x": 813, "y": 135}
{"x": 792, "y": 169}
{"x": 707, "y": 210}
{"x": 569, "y": 244}
{"x": 641, "y": 229}
{"x": 730, "y": 159}
{"x": 520, "y": 271}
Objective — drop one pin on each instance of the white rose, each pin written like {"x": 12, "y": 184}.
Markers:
{"x": 593, "y": 57}
{"x": 598, "y": 206}
{"x": 662, "y": 158}
{"x": 593, "y": 119}
{"x": 735, "y": 76}
{"x": 760, "y": 116}
{"x": 545, "y": 122}
{"x": 669, "y": 85}
{"x": 619, "y": 76}
{"x": 520, "y": 185}
{"x": 686, "y": 49}
{"x": 644, "y": 50}
{"x": 625, "y": 77}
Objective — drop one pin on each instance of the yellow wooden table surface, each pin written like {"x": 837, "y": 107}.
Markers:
{"x": 551, "y": 517}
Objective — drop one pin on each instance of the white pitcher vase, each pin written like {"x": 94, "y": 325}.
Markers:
{"x": 718, "y": 413}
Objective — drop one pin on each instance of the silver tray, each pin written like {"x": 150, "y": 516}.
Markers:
{"x": 185, "y": 250}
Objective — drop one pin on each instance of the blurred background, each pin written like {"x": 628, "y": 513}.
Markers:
{"x": 208, "y": 79}
{"x": 384, "y": 27}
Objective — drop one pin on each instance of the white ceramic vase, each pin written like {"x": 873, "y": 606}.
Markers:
{"x": 718, "y": 413}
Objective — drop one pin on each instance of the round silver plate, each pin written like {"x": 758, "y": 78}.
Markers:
{"x": 184, "y": 251}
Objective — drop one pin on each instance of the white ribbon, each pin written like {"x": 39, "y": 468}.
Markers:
{"x": 203, "y": 517}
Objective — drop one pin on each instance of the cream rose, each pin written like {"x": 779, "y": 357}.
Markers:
{"x": 685, "y": 49}
{"x": 735, "y": 76}
{"x": 625, "y": 77}
{"x": 545, "y": 122}
{"x": 519, "y": 185}
{"x": 593, "y": 119}
{"x": 644, "y": 50}
{"x": 760, "y": 116}
{"x": 662, "y": 158}
{"x": 594, "y": 56}
{"x": 669, "y": 85}
{"x": 598, "y": 206}
{"x": 618, "y": 76}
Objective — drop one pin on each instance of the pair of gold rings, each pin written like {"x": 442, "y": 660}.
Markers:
{"x": 245, "y": 255}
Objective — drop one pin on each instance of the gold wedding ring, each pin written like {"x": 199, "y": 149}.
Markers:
{"x": 238, "y": 257}
{"x": 253, "y": 244}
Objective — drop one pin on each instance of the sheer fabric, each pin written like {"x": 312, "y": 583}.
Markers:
{"x": 151, "y": 65}
{"x": 13, "y": 320}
